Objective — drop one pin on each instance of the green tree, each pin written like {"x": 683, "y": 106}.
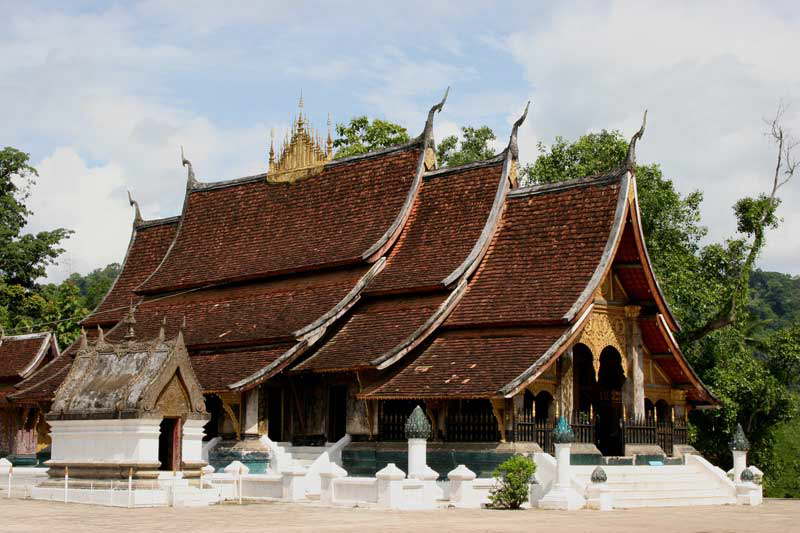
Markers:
{"x": 474, "y": 146}
{"x": 23, "y": 256}
{"x": 361, "y": 136}
{"x": 94, "y": 285}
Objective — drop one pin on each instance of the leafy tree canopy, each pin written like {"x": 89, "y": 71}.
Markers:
{"x": 474, "y": 146}
{"x": 23, "y": 256}
{"x": 94, "y": 285}
{"x": 361, "y": 136}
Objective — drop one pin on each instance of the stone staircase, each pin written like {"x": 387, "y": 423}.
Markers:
{"x": 661, "y": 486}
{"x": 303, "y": 456}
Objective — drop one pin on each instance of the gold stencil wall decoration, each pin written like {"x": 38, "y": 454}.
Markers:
{"x": 603, "y": 330}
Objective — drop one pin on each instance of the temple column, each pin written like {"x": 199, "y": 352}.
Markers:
{"x": 634, "y": 385}
{"x": 250, "y": 425}
{"x": 565, "y": 390}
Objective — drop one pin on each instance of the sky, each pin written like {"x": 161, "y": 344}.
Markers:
{"x": 104, "y": 94}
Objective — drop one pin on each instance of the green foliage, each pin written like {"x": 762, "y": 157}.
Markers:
{"x": 514, "y": 475}
{"x": 783, "y": 478}
{"x": 775, "y": 298}
{"x": 23, "y": 257}
{"x": 94, "y": 285}
{"x": 474, "y": 146}
{"x": 361, "y": 136}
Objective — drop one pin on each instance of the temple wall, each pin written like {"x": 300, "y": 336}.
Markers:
{"x": 93, "y": 441}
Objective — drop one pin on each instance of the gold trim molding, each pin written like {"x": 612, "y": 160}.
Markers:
{"x": 302, "y": 154}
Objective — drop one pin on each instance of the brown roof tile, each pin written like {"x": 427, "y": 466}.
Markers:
{"x": 148, "y": 245}
{"x": 543, "y": 256}
{"x": 252, "y": 228}
{"x": 467, "y": 366}
{"x": 450, "y": 212}
{"x": 245, "y": 314}
{"x": 17, "y": 352}
{"x": 217, "y": 370}
{"x": 373, "y": 329}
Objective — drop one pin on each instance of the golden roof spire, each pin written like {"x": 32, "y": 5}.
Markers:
{"x": 302, "y": 153}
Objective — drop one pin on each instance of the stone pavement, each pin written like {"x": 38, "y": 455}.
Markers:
{"x": 27, "y": 515}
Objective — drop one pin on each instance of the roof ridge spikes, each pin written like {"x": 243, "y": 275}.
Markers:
{"x": 137, "y": 214}
{"x": 630, "y": 157}
{"x": 191, "y": 180}
{"x": 427, "y": 132}
{"x": 512, "y": 141}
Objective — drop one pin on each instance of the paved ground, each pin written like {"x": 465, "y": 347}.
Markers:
{"x": 26, "y": 515}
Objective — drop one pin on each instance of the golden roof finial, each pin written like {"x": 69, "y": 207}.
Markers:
{"x": 329, "y": 151}
{"x": 302, "y": 153}
{"x": 271, "y": 148}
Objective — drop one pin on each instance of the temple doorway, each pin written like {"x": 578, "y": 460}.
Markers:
{"x": 275, "y": 413}
{"x": 337, "y": 412}
{"x": 608, "y": 403}
{"x": 169, "y": 444}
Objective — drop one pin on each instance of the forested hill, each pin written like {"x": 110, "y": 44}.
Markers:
{"x": 775, "y": 298}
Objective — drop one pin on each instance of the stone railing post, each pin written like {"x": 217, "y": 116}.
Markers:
{"x": 418, "y": 431}
{"x": 599, "y": 497}
{"x": 327, "y": 474}
{"x": 462, "y": 492}
{"x": 562, "y": 495}
{"x": 739, "y": 446}
{"x": 293, "y": 487}
{"x": 390, "y": 486}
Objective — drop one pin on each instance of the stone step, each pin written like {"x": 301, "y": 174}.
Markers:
{"x": 671, "y": 500}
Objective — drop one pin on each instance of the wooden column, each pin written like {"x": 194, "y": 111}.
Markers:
{"x": 634, "y": 385}
{"x": 565, "y": 390}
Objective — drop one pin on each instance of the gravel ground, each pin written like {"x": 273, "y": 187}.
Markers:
{"x": 27, "y": 515}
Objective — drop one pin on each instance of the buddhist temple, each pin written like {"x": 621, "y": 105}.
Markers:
{"x": 326, "y": 298}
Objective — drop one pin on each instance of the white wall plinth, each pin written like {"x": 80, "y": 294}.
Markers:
{"x": 462, "y": 490}
{"x": 192, "y": 442}
{"x": 5, "y": 466}
{"x": 599, "y": 497}
{"x": 749, "y": 494}
{"x": 390, "y": 485}
{"x": 111, "y": 441}
{"x": 293, "y": 487}
{"x": 327, "y": 474}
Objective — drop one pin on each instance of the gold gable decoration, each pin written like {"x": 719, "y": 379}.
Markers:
{"x": 302, "y": 154}
{"x": 604, "y": 330}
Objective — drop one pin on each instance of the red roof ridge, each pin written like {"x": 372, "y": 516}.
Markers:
{"x": 544, "y": 188}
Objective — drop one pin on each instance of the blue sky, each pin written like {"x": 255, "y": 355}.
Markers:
{"x": 102, "y": 94}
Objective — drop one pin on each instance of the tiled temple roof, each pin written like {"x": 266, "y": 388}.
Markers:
{"x": 21, "y": 355}
{"x": 249, "y": 229}
{"x": 461, "y": 364}
{"x": 148, "y": 244}
{"x": 245, "y": 314}
{"x": 217, "y": 369}
{"x": 546, "y": 252}
{"x": 451, "y": 216}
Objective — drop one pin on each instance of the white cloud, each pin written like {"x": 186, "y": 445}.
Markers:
{"x": 708, "y": 75}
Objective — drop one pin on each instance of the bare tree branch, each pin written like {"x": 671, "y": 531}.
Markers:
{"x": 785, "y": 167}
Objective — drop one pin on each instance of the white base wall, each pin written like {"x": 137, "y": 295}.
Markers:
{"x": 106, "y": 441}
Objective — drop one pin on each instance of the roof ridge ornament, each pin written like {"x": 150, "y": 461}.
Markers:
{"x": 101, "y": 338}
{"x": 162, "y": 328}
{"x": 191, "y": 181}
{"x": 130, "y": 321}
{"x": 137, "y": 214}
{"x": 630, "y": 157}
{"x": 513, "y": 145}
{"x": 84, "y": 341}
{"x": 427, "y": 133}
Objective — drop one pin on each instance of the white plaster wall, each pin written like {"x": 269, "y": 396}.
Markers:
{"x": 192, "y": 445}
{"x": 112, "y": 441}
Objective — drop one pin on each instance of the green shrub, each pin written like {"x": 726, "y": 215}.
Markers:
{"x": 514, "y": 474}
